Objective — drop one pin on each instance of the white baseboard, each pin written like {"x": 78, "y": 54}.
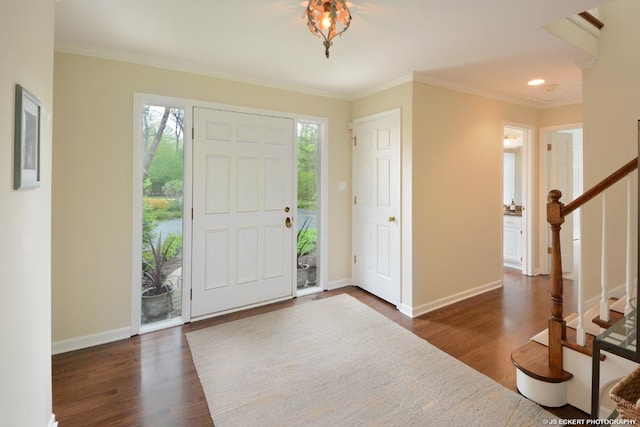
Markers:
{"x": 86, "y": 341}
{"x": 338, "y": 284}
{"x": 406, "y": 310}
{"x": 448, "y": 300}
{"x": 52, "y": 421}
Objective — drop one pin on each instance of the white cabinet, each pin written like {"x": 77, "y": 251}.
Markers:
{"x": 512, "y": 241}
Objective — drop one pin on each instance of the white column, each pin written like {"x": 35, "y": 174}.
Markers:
{"x": 604, "y": 303}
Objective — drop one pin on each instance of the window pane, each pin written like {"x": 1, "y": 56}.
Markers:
{"x": 163, "y": 170}
{"x": 308, "y": 162}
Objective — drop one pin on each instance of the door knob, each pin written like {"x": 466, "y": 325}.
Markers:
{"x": 287, "y": 222}
{"x": 392, "y": 219}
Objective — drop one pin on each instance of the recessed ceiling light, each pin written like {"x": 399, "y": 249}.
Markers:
{"x": 535, "y": 82}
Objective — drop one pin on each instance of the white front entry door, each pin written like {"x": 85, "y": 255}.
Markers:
{"x": 376, "y": 208}
{"x": 242, "y": 187}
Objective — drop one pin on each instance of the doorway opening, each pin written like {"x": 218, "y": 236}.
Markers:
{"x": 308, "y": 197}
{"x": 162, "y": 214}
{"x": 513, "y": 198}
{"x": 517, "y": 201}
{"x": 563, "y": 171}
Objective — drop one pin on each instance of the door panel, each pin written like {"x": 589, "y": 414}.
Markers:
{"x": 217, "y": 259}
{"x": 376, "y": 210}
{"x": 247, "y": 184}
{"x": 243, "y": 180}
{"x": 218, "y": 184}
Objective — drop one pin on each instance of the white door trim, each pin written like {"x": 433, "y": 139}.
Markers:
{"x": 529, "y": 201}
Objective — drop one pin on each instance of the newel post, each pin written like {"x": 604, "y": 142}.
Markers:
{"x": 557, "y": 324}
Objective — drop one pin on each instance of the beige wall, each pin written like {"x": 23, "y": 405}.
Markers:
{"x": 457, "y": 193}
{"x": 611, "y": 111}
{"x": 452, "y": 187}
{"x": 558, "y": 116}
{"x": 26, "y": 28}
{"x": 92, "y": 182}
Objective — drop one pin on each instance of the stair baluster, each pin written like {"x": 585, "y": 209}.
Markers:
{"x": 581, "y": 334}
{"x": 604, "y": 302}
{"x": 629, "y": 272}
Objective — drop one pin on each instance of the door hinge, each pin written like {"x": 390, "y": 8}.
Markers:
{"x": 355, "y": 200}
{"x": 192, "y": 134}
{"x": 355, "y": 141}
{"x": 191, "y": 294}
{"x": 549, "y": 250}
{"x": 355, "y": 259}
{"x": 191, "y": 213}
{"x": 520, "y": 232}
{"x": 548, "y": 147}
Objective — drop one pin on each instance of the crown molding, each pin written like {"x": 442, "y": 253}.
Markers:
{"x": 155, "y": 62}
{"x": 587, "y": 63}
{"x": 384, "y": 86}
{"x": 419, "y": 77}
{"x": 422, "y": 78}
{"x": 535, "y": 104}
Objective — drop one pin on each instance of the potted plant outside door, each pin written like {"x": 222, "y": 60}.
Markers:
{"x": 157, "y": 264}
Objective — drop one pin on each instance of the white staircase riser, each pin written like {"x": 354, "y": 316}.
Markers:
{"x": 543, "y": 393}
{"x": 578, "y": 387}
{"x": 577, "y": 391}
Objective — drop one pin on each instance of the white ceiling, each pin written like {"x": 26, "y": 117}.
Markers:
{"x": 491, "y": 47}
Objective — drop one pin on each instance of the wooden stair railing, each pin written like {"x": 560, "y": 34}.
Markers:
{"x": 556, "y": 212}
{"x": 587, "y": 16}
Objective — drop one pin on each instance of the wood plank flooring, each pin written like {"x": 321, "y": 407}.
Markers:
{"x": 150, "y": 380}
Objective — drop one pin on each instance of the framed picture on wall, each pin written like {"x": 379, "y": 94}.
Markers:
{"x": 26, "y": 171}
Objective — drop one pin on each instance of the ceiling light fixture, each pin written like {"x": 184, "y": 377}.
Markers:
{"x": 327, "y": 20}
{"x": 535, "y": 82}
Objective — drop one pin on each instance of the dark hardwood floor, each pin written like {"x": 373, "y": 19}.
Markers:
{"x": 150, "y": 380}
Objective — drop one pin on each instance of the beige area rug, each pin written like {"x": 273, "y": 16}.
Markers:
{"x": 338, "y": 362}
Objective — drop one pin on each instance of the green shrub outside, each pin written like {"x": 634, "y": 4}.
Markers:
{"x": 163, "y": 208}
{"x": 307, "y": 241}
{"x": 149, "y": 225}
{"x": 174, "y": 253}
{"x": 309, "y": 205}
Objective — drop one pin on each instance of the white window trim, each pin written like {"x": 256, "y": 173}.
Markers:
{"x": 323, "y": 211}
{"x": 139, "y": 101}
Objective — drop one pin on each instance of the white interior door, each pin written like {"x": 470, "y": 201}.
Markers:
{"x": 242, "y": 185}
{"x": 561, "y": 178}
{"x": 376, "y": 209}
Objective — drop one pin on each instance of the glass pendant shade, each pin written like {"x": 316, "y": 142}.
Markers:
{"x": 327, "y": 20}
